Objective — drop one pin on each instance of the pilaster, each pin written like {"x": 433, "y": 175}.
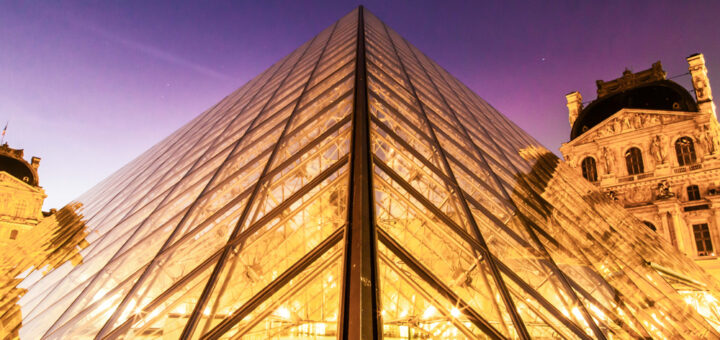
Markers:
{"x": 670, "y": 212}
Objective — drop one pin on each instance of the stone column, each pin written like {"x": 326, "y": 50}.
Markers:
{"x": 574, "y": 104}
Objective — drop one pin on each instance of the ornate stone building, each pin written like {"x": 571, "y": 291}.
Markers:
{"x": 646, "y": 142}
{"x": 30, "y": 238}
{"x": 21, "y": 198}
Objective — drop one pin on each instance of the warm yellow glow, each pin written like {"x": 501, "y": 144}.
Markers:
{"x": 429, "y": 312}
{"x": 455, "y": 312}
{"x": 404, "y": 331}
{"x": 283, "y": 313}
{"x": 180, "y": 309}
{"x": 320, "y": 328}
{"x": 598, "y": 313}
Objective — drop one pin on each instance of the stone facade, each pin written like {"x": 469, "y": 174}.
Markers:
{"x": 662, "y": 164}
{"x": 21, "y": 198}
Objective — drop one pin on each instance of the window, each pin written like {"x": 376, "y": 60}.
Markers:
{"x": 13, "y": 234}
{"x": 589, "y": 170}
{"x": 633, "y": 159}
{"x": 702, "y": 239}
{"x": 685, "y": 151}
{"x": 693, "y": 192}
{"x": 650, "y": 225}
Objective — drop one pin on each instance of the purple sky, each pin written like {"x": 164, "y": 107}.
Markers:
{"x": 88, "y": 86}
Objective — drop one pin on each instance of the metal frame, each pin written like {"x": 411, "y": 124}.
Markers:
{"x": 531, "y": 231}
{"x": 359, "y": 317}
{"x": 212, "y": 281}
{"x": 455, "y": 187}
{"x": 356, "y": 243}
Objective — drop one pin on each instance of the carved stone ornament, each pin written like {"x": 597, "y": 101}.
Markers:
{"x": 663, "y": 189}
{"x": 707, "y": 138}
{"x": 612, "y": 195}
{"x": 638, "y": 121}
{"x": 700, "y": 85}
{"x": 617, "y": 127}
{"x": 630, "y": 121}
{"x": 638, "y": 195}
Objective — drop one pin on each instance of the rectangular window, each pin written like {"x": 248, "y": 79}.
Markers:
{"x": 702, "y": 239}
{"x": 693, "y": 192}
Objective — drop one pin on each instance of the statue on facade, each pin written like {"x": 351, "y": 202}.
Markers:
{"x": 637, "y": 121}
{"x": 617, "y": 127}
{"x": 608, "y": 160}
{"x": 658, "y": 149}
{"x": 626, "y": 123}
{"x": 652, "y": 120}
{"x": 664, "y": 190}
{"x": 711, "y": 139}
{"x": 707, "y": 139}
{"x": 607, "y": 131}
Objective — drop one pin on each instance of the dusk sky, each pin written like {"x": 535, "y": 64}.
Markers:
{"x": 88, "y": 86}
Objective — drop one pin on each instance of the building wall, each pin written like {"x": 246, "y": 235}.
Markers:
{"x": 659, "y": 195}
{"x": 20, "y": 207}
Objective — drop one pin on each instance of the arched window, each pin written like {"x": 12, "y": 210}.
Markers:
{"x": 693, "y": 192}
{"x": 634, "y": 162}
{"x": 650, "y": 225}
{"x": 685, "y": 151}
{"x": 589, "y": 170}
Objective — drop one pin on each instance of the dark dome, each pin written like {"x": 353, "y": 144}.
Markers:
{"x": 18, "y": 169}
{"x": 659, "y": 95}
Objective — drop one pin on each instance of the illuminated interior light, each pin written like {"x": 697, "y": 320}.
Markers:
{"x": 455, "y": 312}
{"x": 283, "y": 313}
{"x": 320, "y": 328}
{"x": 404, "y": 332}
{"x": 429, "y": 312}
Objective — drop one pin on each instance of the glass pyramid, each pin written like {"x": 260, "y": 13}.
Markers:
{"x": 356, "y": 190}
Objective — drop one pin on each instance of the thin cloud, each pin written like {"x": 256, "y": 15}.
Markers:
{"x": 153, "y": 51}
